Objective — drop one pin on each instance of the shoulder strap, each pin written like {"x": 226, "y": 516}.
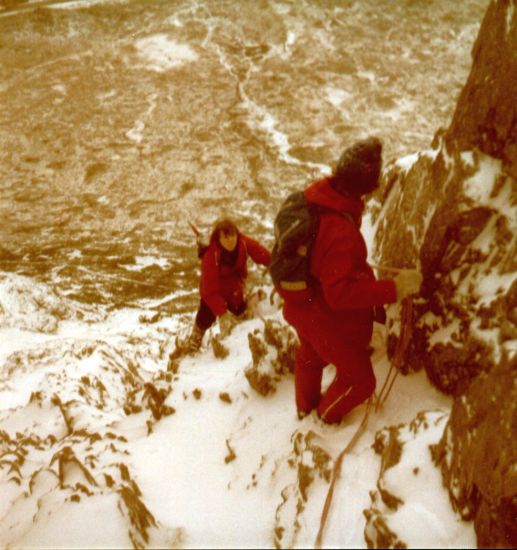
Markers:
{"x": 346, "y": 215}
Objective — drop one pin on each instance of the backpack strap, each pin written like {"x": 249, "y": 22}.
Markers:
{"x": 346, "y": 215}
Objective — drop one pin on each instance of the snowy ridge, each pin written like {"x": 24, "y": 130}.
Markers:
{"x": 94, "y": 430}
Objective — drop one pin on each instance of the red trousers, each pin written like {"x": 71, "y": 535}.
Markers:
{"x": 353, "y": 384}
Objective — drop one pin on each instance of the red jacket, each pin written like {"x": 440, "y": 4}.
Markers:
{"x": 222, "y": 284}
{"x": 340, "y": 308}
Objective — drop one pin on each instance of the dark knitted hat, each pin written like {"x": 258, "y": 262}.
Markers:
{"x": 358, "y": 169}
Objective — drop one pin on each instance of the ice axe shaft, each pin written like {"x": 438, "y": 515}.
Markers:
{"x": 195, "y": 229}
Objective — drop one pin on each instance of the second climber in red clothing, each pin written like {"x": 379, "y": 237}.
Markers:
{"x": 334, "y": 316}
{"x": 223, "y": 276}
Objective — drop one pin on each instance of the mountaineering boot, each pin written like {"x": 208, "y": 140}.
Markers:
{"x": 194, "y": 340}
{"x": 185, "y": 346}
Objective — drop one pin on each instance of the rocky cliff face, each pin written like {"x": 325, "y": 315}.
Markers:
{"x": 452, "y": 214}
{"x": 477, "y": 454}
{"x": 452, "y": 211}
{"x": 485, "y": 115}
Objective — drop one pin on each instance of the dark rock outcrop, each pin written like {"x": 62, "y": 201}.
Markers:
{"x": 272, "y": 351}
{"x": 453, "y": 215}
{"x": 485, "y": 116}
{"x": 452, "y": 211}
{"x": 478, "y": 454}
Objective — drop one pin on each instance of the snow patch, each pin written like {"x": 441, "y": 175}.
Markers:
{"x": 480, "y": 185}
{"x": 407, "y": 162}
{"x": 141, "y": 262}
{"x": 336, "y": 96}
{"x": 445, "y": 335}
{"x": 421, "y": 518}
{"x": 76, "y": 4}
{"x": 510, "y": 9}
{"x": 136, "y": 133}
{"x": 60, "y": 88}
{"x": 468, "y": 158}
{"x": 162, "y": 53}
{"x": 222, "y": 469}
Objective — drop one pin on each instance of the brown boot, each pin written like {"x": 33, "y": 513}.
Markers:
{"x": 194, "y": 340}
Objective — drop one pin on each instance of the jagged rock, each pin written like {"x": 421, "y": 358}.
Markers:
{"x": 260, "y": 374}
{"x": 310, "y": 462}
{"x": 405, "y": 473}
{"x": 155, "y": 400}
{"x": 231, "y": 456}
{"x": 452, "y": 210}
{"x": 478, "y": 453}
{"x": 219, "y": 349}
{"x": 225, "y": 396}
{"x": 272, "y": 353}
{"x": 140, "y": 517}
{"x": 378, "y": 534}
{"x": 284, "y": 340}
{"x": 150, "y": 318}
{"x": 485, "y": 113}
{"x": 462, "y": 238}
{"x": 197, "y": 393}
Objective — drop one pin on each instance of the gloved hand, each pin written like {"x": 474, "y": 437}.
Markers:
{"x": 408, "y": 281}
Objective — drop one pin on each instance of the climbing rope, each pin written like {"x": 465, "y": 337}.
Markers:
{"x": 336, "y": 471}
{"x": 406, "y": 333}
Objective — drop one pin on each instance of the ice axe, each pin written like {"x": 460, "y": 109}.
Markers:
{"x": 197, "y": 232}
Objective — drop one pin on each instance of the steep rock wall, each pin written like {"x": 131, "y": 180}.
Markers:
{"x": 485, "y": 115}
{"x": 478, "y": 453}
{"x": 454, "y": 215}
{"x": 452, "y": 212}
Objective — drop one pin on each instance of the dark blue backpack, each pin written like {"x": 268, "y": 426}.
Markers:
{"x": 296, "y": 228}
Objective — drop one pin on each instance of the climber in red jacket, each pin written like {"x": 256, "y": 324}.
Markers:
{"x": 223, "y": 276}
{"x": 334, "y": 317}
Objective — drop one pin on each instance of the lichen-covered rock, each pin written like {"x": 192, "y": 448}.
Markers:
{"x": 478, "y": 454}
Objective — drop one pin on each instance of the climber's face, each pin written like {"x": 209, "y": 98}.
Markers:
{"x": 228, "y": 241}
